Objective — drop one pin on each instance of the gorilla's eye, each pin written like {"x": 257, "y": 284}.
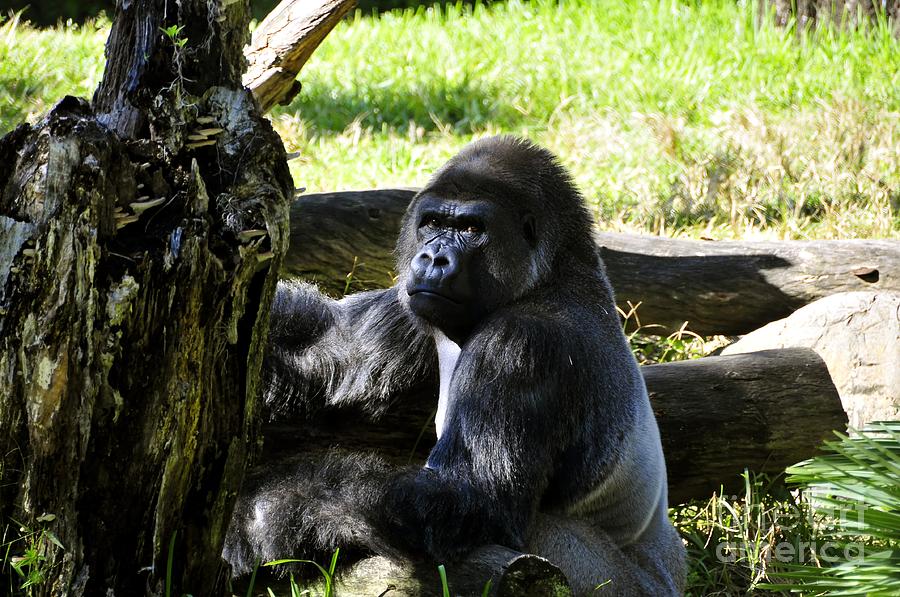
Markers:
{"x": 471, "y": 229}
{"x": 430, "y": 223}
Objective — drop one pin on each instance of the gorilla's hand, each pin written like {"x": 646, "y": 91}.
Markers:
{"x": 429, "y": 516}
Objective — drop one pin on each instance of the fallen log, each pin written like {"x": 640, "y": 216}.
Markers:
{"x": 717, "y": 416}
{"x": 762, "y": 411}
{"x": 510, "y": 574}
{"x": 735, "y": 287}
{"x": 283, "y": 43}
{"x": 718, "y": 287}
{"x": 349, "y": 234}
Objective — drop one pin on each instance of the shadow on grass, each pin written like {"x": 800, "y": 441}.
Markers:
{"x": 462, "y": 108}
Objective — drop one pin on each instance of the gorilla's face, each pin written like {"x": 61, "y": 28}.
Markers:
{"x": 473, "y": 255}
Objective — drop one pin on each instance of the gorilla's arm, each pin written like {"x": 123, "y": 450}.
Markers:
{"x": 505, "y": 430}
{"x": 484, "y": 477}
{"x": 361, "y": 350}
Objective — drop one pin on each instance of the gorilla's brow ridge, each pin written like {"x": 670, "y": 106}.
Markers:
{"x": 467, "y": 183}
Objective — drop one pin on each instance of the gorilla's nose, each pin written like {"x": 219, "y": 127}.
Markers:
{"x": 435, "y": 265}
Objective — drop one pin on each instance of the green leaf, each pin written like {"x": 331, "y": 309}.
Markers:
{"x": 445, "y": 588}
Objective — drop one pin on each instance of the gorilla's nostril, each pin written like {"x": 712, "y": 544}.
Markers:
{"x": 441, "y": 261}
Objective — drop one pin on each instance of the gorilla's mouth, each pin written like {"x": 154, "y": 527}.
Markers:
{"x": 430, "y": 293}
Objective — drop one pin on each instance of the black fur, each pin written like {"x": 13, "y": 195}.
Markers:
{"x": 361, "y": 350}
{"x": 544, "y": 395}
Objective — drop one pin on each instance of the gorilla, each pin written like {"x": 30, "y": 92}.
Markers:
{"x": 546, "y": 442}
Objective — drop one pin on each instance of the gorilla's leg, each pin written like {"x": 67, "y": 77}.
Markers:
{"x": 588, "y": 558}
{"x": 591, "y": 559}
{"x": 660, "y": 554}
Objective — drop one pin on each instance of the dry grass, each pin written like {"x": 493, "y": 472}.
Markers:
{"x": 827, "y": 172}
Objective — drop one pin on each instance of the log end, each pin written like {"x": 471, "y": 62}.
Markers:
{"x": 531, "y": 575}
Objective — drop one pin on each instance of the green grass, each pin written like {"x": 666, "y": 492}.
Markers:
{"x": 673, "y": 116}
{"x": 730, "y": 537}
{"x": 835, "y": 530}
{"x": 523, "y": 64}
{"x": 26, "y": 554}
{"x": 676, "y": 117}
{"x": 39, "y": 67}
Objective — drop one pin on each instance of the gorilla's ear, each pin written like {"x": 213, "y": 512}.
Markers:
{"x": 529, "y": 229}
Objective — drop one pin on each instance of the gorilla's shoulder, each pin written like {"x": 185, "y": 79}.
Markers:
{"x": 541, "y": 331}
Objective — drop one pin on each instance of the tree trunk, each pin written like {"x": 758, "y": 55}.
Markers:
{"x": 141, "y": 236}
{"x": 717, "y": 416}
{"x": 344, "y": 241}
{"x": 836, "y": 13}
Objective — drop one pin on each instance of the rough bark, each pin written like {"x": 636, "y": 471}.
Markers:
{"x": 717, "y": 416}
{"x": 142, "y": 62}
{"x": 283, "y": 43}
{"x": 718, "y": 287}
{"x": 835, "y": 13}
{"x": 141, "y": 236}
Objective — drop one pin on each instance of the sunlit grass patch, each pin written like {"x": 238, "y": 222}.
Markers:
{"x": 40, "y": 66}
{"x": 678, "y": 118}
{"x": 516, "y": 63}
{"x": 826, "y": 172}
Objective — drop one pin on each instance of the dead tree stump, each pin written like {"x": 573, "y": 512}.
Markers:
{"x": 141, "y": 237}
